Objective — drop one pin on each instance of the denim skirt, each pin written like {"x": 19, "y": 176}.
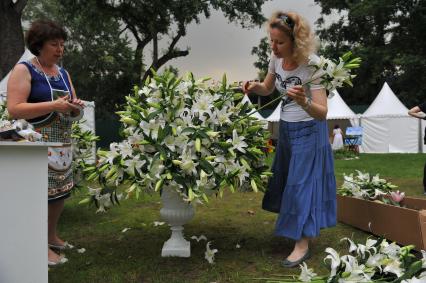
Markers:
{"x": 303, "y": 187}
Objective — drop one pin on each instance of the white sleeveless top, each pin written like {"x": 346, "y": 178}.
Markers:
{"x": 290, "y": 110}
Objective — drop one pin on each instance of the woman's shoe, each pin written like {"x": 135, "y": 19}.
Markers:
{"x": 290, "y": 264}
{"x": 61, "y": 260}
{"x": 65, "y": 246}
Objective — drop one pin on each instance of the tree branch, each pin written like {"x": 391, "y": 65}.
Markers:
{"x": 172, "y": 53}
{"x": 19, "y": 6}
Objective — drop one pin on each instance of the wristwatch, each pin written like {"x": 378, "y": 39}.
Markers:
{"x": 308, "y": 103}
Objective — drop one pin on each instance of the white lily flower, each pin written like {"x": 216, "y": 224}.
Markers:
{"x": 188, "y": 165}
{"x": 145, "y": 90}
{"x": 352, "y": 245}
{"x": 237, "y": 142}
{"x": 170, "y": 142}
{"x": 391, "y": 250}
{"x": 81, "y": 251}
{"x": 134, "y": 164}
{"x": 242, "y": 174}
{"x": 363, "y": 176}
{"x": 202, "y": 105}
{"x": 201, "y": 237}
{"x": 158, "y": 223}
{"x": 125, "y": 149}
{"x": 112, "y": 153}
{"x": 375, "y": 260}
{"x": 377, "y": 181}
{"x": 306, "y": 274}
{"x": 184, "y": 86}
{"x": 157, "y": 168}
{"x": 357, "y": 273}
{"x": 151, "y": 128}
{"x": 362, "y": 249}
{"x": 378, "y": 193}
{"x": 334, "y": 258}
{"x": 209, "y": 253}
{"x": 222, "y": 116}
{"x": 394, "y": 266}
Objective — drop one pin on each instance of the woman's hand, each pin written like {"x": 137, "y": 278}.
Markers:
{"x": 249, "y": 87}
{"x": 62, "y": 105}
{"x": 77, "y": 101}
{"x": 297, "y": 93}
{"x": 79, "y": 107}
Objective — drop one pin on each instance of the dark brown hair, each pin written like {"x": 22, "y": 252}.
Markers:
{"x": 42, "y": 31}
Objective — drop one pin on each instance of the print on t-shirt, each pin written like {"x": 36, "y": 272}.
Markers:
{"x": 286, "y": 84}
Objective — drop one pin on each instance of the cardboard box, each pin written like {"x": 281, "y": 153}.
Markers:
{"x": 404, "y": 225}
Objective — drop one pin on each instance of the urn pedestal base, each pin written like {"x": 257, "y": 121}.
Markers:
{"x": 176, "y": 213}
{"x": 176, "y": 245}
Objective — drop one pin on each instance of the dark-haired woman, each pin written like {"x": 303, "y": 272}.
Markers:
{"x": 42, "y": 93}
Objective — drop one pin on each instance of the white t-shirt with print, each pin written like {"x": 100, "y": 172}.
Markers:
{"x": 290, "y": 110}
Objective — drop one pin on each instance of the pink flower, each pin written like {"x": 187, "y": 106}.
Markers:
{"x": 397, "y": 196}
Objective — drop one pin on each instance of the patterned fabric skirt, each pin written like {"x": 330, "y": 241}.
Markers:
{"x": 303, "y": 187}
{"x": 60, "y": 158}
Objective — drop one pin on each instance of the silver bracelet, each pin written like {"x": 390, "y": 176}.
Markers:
{"x": 308, "y": 104}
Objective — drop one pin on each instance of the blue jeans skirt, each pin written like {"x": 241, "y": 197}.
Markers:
{"x": 303, "y": 187}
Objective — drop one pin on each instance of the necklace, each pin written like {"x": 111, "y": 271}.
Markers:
{"x": 51, "y": 73}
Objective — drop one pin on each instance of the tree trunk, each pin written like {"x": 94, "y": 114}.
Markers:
{"x": 11, "y": 35}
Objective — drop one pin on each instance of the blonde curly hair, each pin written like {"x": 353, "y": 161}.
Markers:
{"x": 298, "y": 29}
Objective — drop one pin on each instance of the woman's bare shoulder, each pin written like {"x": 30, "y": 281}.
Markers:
{"x": 20, "y": 68}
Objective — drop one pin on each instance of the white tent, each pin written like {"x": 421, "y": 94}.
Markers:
{"x": 339, "y": 114}
{"x": 388, "y": 127}
{"x": 276, "y": 114}
{"x": 338, "y": 109}
{"x": 255, "y": 114}
{"x": 273, "y": 122}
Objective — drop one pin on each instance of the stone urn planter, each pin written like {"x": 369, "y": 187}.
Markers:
{"x": 176, "y": 212}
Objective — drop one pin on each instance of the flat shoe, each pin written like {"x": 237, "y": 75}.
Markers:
{"x": 290, "y": 264}
{"x": 65, "y": 246}
{"x": 62, "y": 260}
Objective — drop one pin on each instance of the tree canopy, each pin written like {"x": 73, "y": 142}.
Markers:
{"x": 388, "y": 35}
{"x": 105, "y": 52}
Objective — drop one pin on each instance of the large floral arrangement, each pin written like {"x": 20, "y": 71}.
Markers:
{"x": 374, "y": 261}
{"x": 186, "y": 135}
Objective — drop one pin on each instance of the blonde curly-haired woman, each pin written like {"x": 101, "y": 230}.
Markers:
{"x": 303, "y": 188}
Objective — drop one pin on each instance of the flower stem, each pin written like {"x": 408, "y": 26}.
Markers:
{"x": 257, "y": 110}
{"x": 272, "y": 101}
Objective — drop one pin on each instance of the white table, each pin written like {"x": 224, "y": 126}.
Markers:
{"x": 23, "y": 212}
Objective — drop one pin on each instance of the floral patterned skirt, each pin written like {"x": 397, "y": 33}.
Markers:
{"x": 60, "y": 173}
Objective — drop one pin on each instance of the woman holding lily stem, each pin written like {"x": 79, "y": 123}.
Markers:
{"x": 303, "y": 188}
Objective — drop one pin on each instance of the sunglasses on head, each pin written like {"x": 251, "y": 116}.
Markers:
{"x": 287, "y": 20}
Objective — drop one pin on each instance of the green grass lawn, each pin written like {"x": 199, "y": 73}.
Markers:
{"x": 134, "y": 256}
